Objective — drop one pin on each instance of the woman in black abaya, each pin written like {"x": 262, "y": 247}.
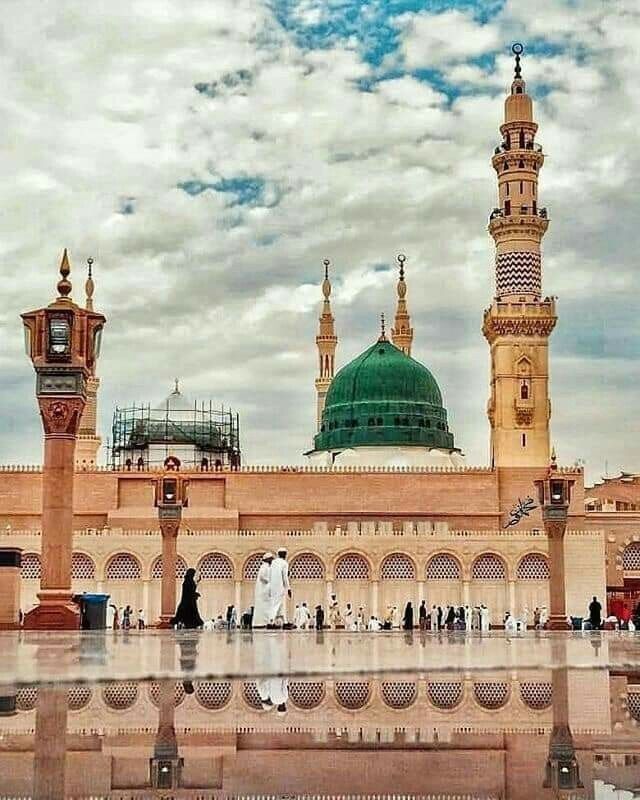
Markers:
{"x": 187, "y": 615}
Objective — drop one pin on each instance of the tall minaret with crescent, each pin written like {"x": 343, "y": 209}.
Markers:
{"x": 326, "y": 341}
{"x": 88, "y": 441}
{"x": 519, "y": 322}
{"x": 402, "y": 332}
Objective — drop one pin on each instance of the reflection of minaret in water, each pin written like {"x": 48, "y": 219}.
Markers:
{"x": 562, "y": 769}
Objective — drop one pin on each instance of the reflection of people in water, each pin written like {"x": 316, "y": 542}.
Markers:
{"x": 274, "y": 693}
{"x": 187, "y": 615}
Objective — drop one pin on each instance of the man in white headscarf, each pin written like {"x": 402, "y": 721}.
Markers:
{"x": 279, "y": 586}
{"x": 262, "y": 598}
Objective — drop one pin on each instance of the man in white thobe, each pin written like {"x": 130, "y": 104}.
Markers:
{"x": 279, "y": 586}
{"x": 484, "y": 618}
{"x": 262, "y": 597}
{"x": 305, "y": 617}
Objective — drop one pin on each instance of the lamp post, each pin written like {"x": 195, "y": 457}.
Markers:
{"x": 171, "y": 497}
{"x": 63, "y": 342}
{"x": 554, "y": 494}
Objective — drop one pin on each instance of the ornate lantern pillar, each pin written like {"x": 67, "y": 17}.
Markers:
{"x": 171, "y": 497}
{"x": 63, "y": 342}
{"x": 554, "y": 493}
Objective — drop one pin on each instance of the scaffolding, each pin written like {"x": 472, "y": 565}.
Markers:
{"x": 202, "y": 437}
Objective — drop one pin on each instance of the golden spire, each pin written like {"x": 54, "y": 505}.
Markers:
{"x": 326, "y": 341}
{"x": 402, "y": 332}
{"x": 89, "y": 286}
{"x": 64, "y": 284}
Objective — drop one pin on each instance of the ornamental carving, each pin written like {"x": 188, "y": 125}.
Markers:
{"x": 169, "y": 528}
{"x": 524, "y": 416}
{"x": 61, "y": 415}
{"x": 514, "y": 326}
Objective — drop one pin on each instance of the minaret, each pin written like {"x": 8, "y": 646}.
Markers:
{"x": 327, "y": 342}
{"x": 402, "y": 332}
{"x": 519, "y": 322}
{"x": 88, "y": 443}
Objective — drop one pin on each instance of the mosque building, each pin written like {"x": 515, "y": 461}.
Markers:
{"x": 385, "y": 509}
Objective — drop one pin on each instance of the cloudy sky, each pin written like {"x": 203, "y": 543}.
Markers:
{"x": 209, "y": 155}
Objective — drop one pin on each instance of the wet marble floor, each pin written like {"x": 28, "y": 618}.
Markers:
{"x": 39, "y": 657}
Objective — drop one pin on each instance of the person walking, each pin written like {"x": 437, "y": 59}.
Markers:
{"x": 595, "y": 614}
{"x": 262, "y": 594}
{"x": 440, "y": 615}
{"x": 141, "y": 620}
{"x": 335, "y": 618}
{"x": 320, "y": 618}
{"x": 451, "y": 618}
{"x": 434, "y": 617}
{"x": 187, "y": 615}
{"x": 422, "y": 616}
{"x": 279, "y": 587}
{"x": 407, "y": 619}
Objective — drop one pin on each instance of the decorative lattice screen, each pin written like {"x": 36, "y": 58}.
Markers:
{"x": 633, "y": 705}
{"x": 631, "y": 557}
{"x": 213, "y": 695}
{"x": 306, "y": 694}
{"x": 79, "y": 697}
{"x": 443, "y": 567}
{"x": 82, "y": 567}
{"x": 251, "y": 694}
{"x": 352, "y": 567}
{"x": 216, "y": 567}
{"x": 397, "y": 567}
{"x": 488, "y": 568}
{"x": 31, "y": 567}
{"x": 491, "y": 695}
{"x": 306, "y": 567}
{"x": 399, "y": 694}
{"x": 120, "y": 696}
{"x": 533, "y": 567}
{"x": 444, "y": 694}
{"x": 251, "y": 567}
{"x": 157, "y": 570}
{"x": 352, "y": 694}
{"x": 27, "y": 698}
{"x": 536, "y": 695}
{"x": 154, "y": 693}
{"x": 123, "y": 567}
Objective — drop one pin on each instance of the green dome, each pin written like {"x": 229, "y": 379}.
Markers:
{"x": 383, "y": 397}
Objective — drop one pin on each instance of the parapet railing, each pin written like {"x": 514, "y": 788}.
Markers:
{"x": 270, "y": 468}
{"x": 440, "y": 530}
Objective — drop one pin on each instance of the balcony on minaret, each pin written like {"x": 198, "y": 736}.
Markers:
{"x": 523, "y": 407}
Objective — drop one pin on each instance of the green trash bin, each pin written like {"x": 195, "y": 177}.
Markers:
{"x": 94, "y": 611}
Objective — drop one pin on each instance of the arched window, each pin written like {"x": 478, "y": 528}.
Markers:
{"x": 397, "y": 567}
{"x": 157, "y": 569}
{"x": 352, "y": 694}
{"x": 533, "y": 567}
{"x": 491, "y": 695}
{"x": 399, "y": 694}
{"x": 445, "y": 694}
{"x": 352, "y": 566}
{"x": 521, "y": 139}
{"x": 535, "y": 695}
{"x": 306, "y": 694}
{"x": 82, "y": 567}
{"x": 217, "y": 567}
{"x": 443, "y": 567}
{"x": 251, "y": 695}
{"x": 251, "y": 567}
{"x": 633, "y": 705}
{"x": 26, "y": 698}
{"x": 213, "y": 695}
{"x": 630, "y": 557}
{"x": 78, "y": 697}
{"x": 120, "y": 696}
{"x": 178, "y": 693}
{"x": 488, "y": 567}
{"x": 123, "y": 567}
{"x": 524, "y": 392}
{"x": 306, "y": 567}
{"x": 31, "y": 567}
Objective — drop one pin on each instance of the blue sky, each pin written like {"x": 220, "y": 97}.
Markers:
{"x": 209, "y": 156}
